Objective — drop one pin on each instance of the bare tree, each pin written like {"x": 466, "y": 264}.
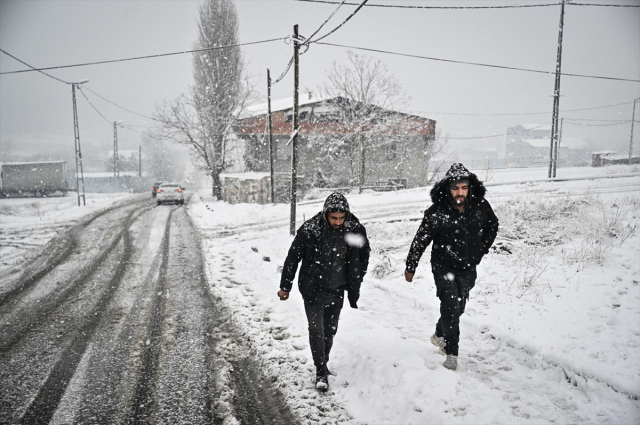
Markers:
{"x": 205, "y": 119}
{"x": 371, "y": 95}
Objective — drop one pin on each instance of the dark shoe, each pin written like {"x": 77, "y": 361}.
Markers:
{"x": 322, "y": 381}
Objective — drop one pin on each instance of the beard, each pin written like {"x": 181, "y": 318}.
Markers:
{"x": 460, "y": 201}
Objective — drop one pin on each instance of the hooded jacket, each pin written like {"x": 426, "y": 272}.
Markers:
{"x": 307, "y": 247}
{"x": 460, "y": 239}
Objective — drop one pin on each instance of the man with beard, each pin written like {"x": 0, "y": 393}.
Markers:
{"x": 462, "y": 226}
{"x": 334, "y": 251}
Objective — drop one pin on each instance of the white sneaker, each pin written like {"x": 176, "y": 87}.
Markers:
{"x": 438, "y": 342}
{"x": 451, "y": 363}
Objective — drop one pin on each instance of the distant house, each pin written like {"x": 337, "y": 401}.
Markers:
{"x": 530, "y": 144}
{"x": 333, "y": 146}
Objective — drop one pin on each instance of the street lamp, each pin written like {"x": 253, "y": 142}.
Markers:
{"x": 76, "y": 133}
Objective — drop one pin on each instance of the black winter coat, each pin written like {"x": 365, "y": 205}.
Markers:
{"x": 460, "y": 239}
{"x": 307, "y": 247}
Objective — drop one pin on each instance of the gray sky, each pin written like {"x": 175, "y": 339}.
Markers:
{"x": 36, "y": 112}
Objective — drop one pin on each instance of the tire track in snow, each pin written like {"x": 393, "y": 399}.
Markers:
{"x": 61, "y": 249}
{"x": 46, "y": 401}
{"x": 143, "y": 398}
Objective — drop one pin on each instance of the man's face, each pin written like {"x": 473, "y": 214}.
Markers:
{"x": 460, "y": 193}
{"x": 336, "y": 219}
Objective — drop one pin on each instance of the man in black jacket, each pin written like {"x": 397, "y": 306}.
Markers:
{"x": 334, "y": 251}
{"x": 462, "y": 226}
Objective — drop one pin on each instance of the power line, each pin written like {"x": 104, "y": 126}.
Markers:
{"x": 603, "y": 5}
{"x": 494, "y": 135}
{"x": 475, "y": 63}
{"x": 338, "y": 27}
{"x": 595, "y": 125}
{"x": 124, "y": 109}
{"x": 327, "y": 20}
{"x": 32, "y": 68}
{"x": 135, "y": 58}
{"x": 397, "y": 6}
{"x": 519, "y": 113}
{"x": 94, "y": 108}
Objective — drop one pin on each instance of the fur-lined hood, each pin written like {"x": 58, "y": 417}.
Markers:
{"x": 441, "y": 194}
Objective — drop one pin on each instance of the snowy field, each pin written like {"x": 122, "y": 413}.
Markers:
{"x": 27, "y": 224}
{"x": 551, "y": 333}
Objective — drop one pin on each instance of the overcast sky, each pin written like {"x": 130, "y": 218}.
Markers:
{"x": 36, "y": 111}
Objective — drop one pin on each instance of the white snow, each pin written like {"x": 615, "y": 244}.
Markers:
{"x": 551, "y": 333}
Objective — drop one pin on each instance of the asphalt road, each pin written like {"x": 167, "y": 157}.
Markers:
{"x": 116, "y": 324}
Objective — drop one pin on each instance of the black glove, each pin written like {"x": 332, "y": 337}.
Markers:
{"x": 353, "y": 299}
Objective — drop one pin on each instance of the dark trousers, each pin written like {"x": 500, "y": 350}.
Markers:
{"x": 453, "y": 288}
{"x": 322, "y": 317}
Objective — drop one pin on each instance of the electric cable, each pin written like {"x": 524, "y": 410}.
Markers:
{"x": 603, "y": 5}
{"x": 566, "y": 121}
{"x": 521, "y": 113}
{"x": 135, "y": 58}
{"x": 94, "y": 108}
{"x": 494, "y": 135}
{"x": 394, "y": 6}
{"x": 124, "y": 109}
{"x": 327, "y": 20}
{"x": 338, "y": 27}
{"x": 33, "y": 68}
{"x": 475, "y": 63}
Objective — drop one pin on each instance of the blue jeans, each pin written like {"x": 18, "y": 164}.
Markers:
{"x": 453, "y": 288}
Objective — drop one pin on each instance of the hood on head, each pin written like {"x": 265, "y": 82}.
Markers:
{"x": 337, "y": 201}
{"x": 441, "y": 191}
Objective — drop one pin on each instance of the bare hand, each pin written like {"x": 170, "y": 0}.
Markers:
{"x": 408, "y": 276}
{"x": 283, "y": 295}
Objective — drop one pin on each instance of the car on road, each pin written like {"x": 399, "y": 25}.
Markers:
{"x": 170, "y": 192}
{"x": 155, "y": 187}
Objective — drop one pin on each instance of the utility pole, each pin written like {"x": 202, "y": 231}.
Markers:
{"x": 139, "y": 161}
{"x": 633, "y": 117}
{"x": 294, "y": 154}
{"x": 76, "y": 134}
{"x": 556, "y": 154}
{"x": 116, "y": 174}
{"x": 556, "y": 91}
{"x": 271, "y": 150}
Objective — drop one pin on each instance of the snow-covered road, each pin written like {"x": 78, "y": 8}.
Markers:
{"x": 114, "y": 323}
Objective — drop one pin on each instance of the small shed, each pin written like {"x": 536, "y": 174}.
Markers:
{"x": 249, "y": 188}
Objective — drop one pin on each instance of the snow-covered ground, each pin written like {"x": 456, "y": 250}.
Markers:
{"x": 29, "y": 223}
{"x": 551, "y": 333}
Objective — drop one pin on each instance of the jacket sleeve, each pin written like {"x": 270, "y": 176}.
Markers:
{"x": 420, "y": 242}
{"x": 296, "y": 252}
{"x": 490, "y": 229}
{"x": 365, "y": 252}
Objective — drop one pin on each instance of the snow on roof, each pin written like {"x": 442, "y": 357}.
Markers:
{"x": 535, "y": 126}
{"x": 282, "y": 104}
{"x": 565, "y": 142}
{"x": 254, "y": 175}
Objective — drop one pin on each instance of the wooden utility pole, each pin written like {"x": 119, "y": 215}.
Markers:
{"x": 271, "y": 150}
{"x": 556, "y": 154}
{"x": 76, "y": 133}
{"x": 294, "y": 154}
{"x": 556, "y": 92}
{"x": 633, "y": 117}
